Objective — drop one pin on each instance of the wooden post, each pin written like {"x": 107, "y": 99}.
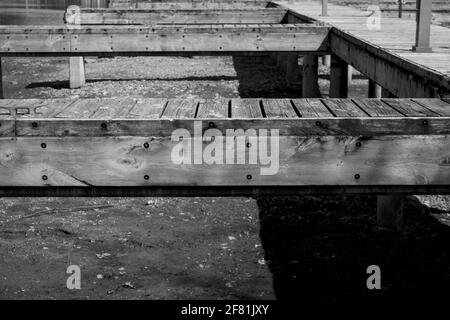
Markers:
{"x": 400, "y": 8}
{"x": 349, "y": 74}
{"x": 1, "y": 80}
{"x": 310, "y": 86}
{"x": 76, "y": 64}
{"x": 423, "y": 26}
{"x": 324, "y": 8}
{"x": 338, "y": 78}
{"x": 374, "y": 90}
{"x": 291, "y": 68}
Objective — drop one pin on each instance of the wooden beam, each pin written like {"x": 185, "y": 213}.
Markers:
{"x": 206, "y": 39}
{"x": 381, "y": 66}
{"x": 191, "y": 16}
{"x": 303, "y": 161}
{"x": 310, "y": 86}
{"x": 177, "y": 5}
{"x": 423, "y": 26}
{"x": 338, "y": 78}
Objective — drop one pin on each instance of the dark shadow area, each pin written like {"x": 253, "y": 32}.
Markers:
{"x": 318, "y": 250}
{"x": 65, "y": 84}
{"x": 259, "y": 77}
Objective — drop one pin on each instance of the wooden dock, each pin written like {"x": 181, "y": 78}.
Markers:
{"x": 384, "y": 55}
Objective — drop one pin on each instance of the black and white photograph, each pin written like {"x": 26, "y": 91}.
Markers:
{"x": 231, "y": 157}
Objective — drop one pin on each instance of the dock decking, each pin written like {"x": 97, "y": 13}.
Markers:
{"x": 393, "y": 42}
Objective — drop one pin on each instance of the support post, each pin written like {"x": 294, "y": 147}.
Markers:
{"x": 281, "y": 62}
{"x": 310, "y": 86}
{"x": 423, "y": 26}
{"x": 324, "y": 8}
{"x": 374, "y": 90}
{"x": 338, "y": 78}
{"x": 76, "y": 64}
{"x": 1, "y": 80}
{"x": 400, "y": 8}
{"x": 291, "y": 68}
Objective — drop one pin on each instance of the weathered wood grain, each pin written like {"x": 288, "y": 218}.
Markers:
{"x": 191, "y": 16}
{"x": 303, "y": 161}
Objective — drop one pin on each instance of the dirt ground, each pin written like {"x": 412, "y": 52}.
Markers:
{"x": 313, "y": 248}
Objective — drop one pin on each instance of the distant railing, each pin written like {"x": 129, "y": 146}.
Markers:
{"x": 53, "y": 4}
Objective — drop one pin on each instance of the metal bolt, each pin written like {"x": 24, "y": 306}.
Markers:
{"x": 212, "y": 125}
{"x": 104, "y": 126}
{"x": 425, "y": 123}
{"x": 249, "y": 177}
{"x": 357, "y": 176}
{"x": 34, "y": 125}
{"x": 146, "y": 145}
{"x": 43, "y": 145}
{"x": 358, "y": 144}
{"x": 318, "y": 123}
{"x": 146, "y": 177}
{"x": 44, "y": 177}
{"x": 249, "y": 144}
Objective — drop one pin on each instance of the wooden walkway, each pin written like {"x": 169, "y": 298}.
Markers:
{"x": 396, "y": 35}
{"x": 125, "y": 146}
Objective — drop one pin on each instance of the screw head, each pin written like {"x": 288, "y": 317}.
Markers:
{"x": 248, "y": 144}
{"x": 425, "y": 123}
{"x": 249, "y": 177}
{"x": 318, "y": 123}
{"x": 146, "y": 145}
{"x": 43, "y": 145}
{"x": 104, "y": 126}
{"x": 358, "y": 144}
{"x": 146, "y": 177}
{"x": 212, "y": 125}
{"x": 44, "y": 177}
{"x": 357, "y": 176}
{"x": 34, "y": 125}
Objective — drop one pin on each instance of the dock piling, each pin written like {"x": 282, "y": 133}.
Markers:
{"x": 338, "y": 78}
{"x": 423, "y": 26}
{"x": 310, "y": 87}
{"x": 76, "y": 64}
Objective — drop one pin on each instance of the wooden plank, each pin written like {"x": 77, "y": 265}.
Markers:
{"x": 83, "y": 108}
{"x": 180, "y": 108}
{"x": 147, "y": 109}
{"x": 246, "y": 108}
{"x": 311, "y": 108}
{"x": 278, "y": 108}
{"x": 114, "y": 108}
{"x": 409, "y": 108}
{"x": 144, "y": 40}
{"x": 191, "y": 16}
{"x": 338, "y": 78}
{"x": 344, "y": 108}
{"x": 216, "y": 108}
{"x": 438, "y": 106}
{"x": 377, "y": 108}
{"x": 303, "y": 161}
